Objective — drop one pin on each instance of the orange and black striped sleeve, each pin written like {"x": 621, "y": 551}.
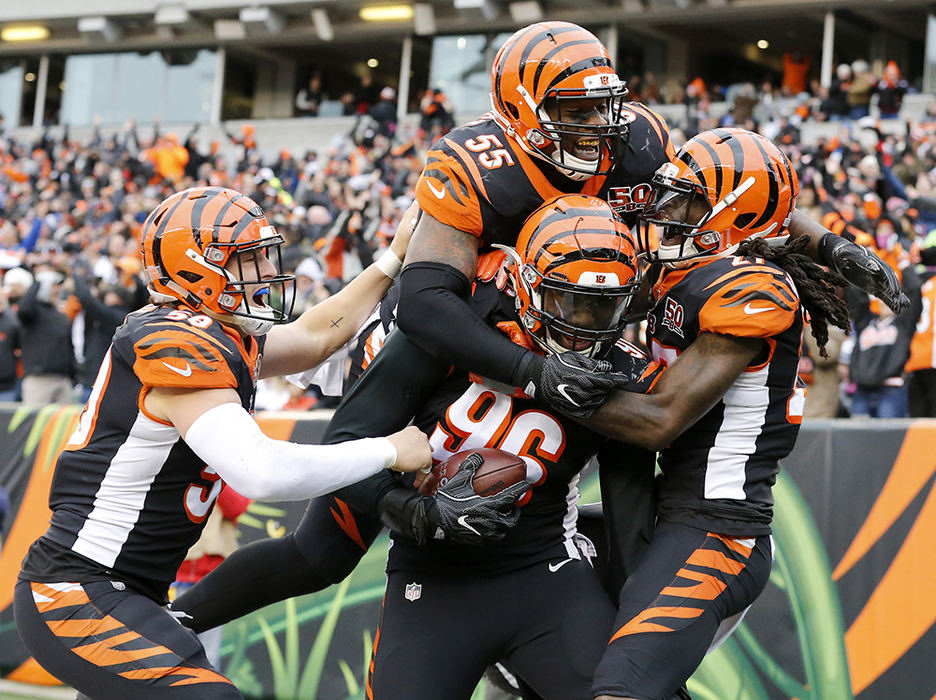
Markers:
{"x": 450, "y": 188}
{"x": 753, "y": 300}
{"x": 175, "y": 354}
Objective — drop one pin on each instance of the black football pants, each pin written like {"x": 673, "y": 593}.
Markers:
{"x": 549, "y": 623}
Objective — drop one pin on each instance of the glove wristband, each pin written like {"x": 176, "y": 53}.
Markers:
{"x": 826, "y": 246}
{"x": 528, "y": 370}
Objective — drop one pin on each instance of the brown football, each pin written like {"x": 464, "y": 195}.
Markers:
{"x": 498, "y": 471}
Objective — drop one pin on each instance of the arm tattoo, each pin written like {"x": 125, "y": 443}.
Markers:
{"x": 434, "y": 241}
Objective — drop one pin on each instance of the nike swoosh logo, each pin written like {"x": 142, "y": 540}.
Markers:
{"x": 748, "y": 309}
{"x": 438, "y": 193}
{"x": 187, "y": 372}
{"x": 561, "y": 388}
{"x": 555, "y": 567}
{"x": 463, "y": 521}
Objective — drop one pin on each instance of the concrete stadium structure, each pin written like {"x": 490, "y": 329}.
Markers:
{"x": 221, "y": 63}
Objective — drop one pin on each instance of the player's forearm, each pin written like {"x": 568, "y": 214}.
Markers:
{"x": 228, "y": 440}
{"x": 335, "y": 320}
{"x": 639, "y": 419}
{"x": 803, "y": 225}
{"x": 685, "y": 392}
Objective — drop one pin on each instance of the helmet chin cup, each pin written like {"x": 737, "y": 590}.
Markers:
{"x": 579, "y": 167}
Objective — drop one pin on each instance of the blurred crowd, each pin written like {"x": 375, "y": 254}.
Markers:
{"x": 71, "y": 212}
{"x": 796, "y": 95}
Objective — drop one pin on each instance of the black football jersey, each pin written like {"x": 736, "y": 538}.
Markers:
{"x": 465, "y": 413}
{"x": 129, "y": 497}
{"x": 478, "y": 180}
{"x": 718, "y": 474}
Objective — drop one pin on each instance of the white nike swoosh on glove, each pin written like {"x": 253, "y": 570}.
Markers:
{"x": 463, "y": 521}
{"x": 561, "y": 388}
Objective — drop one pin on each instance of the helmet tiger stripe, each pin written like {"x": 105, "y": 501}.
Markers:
{"x": 186, "y": 244}
{"x": 575, "y": 275}
{"x": 723, "y": 186}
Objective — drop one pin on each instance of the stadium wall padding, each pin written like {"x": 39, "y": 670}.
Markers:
{"x": 849, "y": 611}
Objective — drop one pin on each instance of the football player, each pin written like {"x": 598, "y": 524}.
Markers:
{"x": 559, "y": 124}
{"x": 568, "y": 286}
{"x": 131, "y": 490}
{"x": 727, "y": 321}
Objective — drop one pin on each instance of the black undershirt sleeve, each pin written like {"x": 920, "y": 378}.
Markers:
{"x": 395, "y": 385}
{"x": 435, "y": 315}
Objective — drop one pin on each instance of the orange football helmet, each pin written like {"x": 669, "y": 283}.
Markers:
{"x": 574, "y": 275}
{"x": 542, "y": 68}
{"x": 187, "y": 242}
{"x": 723, "y": 186}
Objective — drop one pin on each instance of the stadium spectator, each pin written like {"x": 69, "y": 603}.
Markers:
{"x": 168, "y": 158}
{"x": 385, "y": 112}
{"x": 366, "y": 95}
{"x": 861, "y": 89}
{"x": 835, "y": 106}
{"x": 436, "y": 114}
{"x": 822, "y": 395}
{"x": 881, "y": 349}
{"x": 103, "y": 308}
{"x": 9, "y": 349}
{"x": 310, "y": 97}
{"x": 795, "y": 73}
{"x": 890, "y": 91}
{"x": 48, "y": 353}
{"x": 921, "y": 366}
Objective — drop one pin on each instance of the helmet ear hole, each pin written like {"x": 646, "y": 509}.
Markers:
{"x": 514, "y": 112}
{"x": 189, "y": 276}
{"x": 743, "y": 220}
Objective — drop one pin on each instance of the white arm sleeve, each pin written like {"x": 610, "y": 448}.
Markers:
{"x": 229, "y": 440}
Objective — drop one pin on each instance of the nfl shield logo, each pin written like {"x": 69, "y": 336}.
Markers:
{"x": 413, "y": 591}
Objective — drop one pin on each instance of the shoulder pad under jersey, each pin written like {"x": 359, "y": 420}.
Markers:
{"x": 180, "y": 348}
{"x": 751, "y": 298}
{"x": 477, "y": 172}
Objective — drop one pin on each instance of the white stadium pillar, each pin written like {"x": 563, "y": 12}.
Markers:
{"x": 217, "y": 90}
{"x": 828, "y": 48}
{"x": 929, "y": 59}
{"x": 406, "y": 62}
{"x": 42, "y": 82}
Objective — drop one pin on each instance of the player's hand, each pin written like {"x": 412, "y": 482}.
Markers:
{"x": 865, "y": 270}
{"x": 574, "y": 384}
{"x": 404, "y": 231}
{"x": 465, "y": 517}
{"x": 412, "y": 448}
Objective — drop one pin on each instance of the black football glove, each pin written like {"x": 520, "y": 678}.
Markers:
{"x": 456, "y": 513}
{"x": 574, "y": 384}
{"x": 863, "y": 269}
{"x": 467, "y": 518}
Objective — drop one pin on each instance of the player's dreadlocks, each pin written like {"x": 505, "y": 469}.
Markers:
{"x": 815, "y": 284}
